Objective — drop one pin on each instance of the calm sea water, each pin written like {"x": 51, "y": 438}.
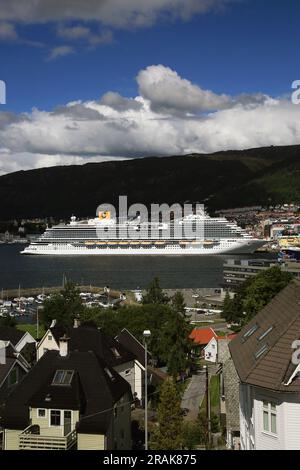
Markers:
{"x": 127, "y": 272}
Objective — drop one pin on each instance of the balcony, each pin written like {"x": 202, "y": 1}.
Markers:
{"x": 30, "y": 439}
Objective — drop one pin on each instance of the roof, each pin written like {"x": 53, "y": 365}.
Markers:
{"x": 94, "y": 389}
{"x": 132, "y": 344}
{"x": 202, "y": 336}
{"x": 9, "y": 333}
{"x": 229, "y": 337}
{"x": 86, "y": 338}
{"x": 262, "y": 351}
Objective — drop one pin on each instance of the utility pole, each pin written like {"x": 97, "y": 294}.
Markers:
{"x": 208, "y": 418}
{"x": 146, "y": 334}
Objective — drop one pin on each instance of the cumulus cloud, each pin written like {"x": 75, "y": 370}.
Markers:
{"x": 168, "y": 92}
{"x": 60, "y": 51}
{"x": 117, "y": 13}
{"x": 119, "y": 127}
{"x": 119, "y": 103}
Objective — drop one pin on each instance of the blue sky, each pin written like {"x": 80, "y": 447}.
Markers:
{"x": 97, "y": 80}
{"x": 249, "y": 46}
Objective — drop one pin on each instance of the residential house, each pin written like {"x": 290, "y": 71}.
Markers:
{"x": 19, "y": 339}
{"x": 201, "y": 337}
{"x": 70, "y": 399}
{"x": 13, "y": 367}
{"x": 108, "y": 349}
{"x": 268, "y": 368}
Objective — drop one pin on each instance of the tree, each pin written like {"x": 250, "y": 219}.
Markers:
{"x": 168, "y": 434}
{"x": 7, "y": 320}
{"x": 154, "y": 294}
{"x": 174, "y": 337}
{"x": 63, "y": 307}
{"x": 254, "y": 294}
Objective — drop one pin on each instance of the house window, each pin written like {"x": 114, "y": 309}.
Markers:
{"x": 41, "y": 413}
{"x": 55, "y": 418}
{"x": 127, "y": 372}
{"x": 49, "y": 337}
{"x": 269, "y": 417}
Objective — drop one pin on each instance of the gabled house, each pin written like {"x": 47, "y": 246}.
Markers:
{"x": 267, "y": 365}
{"x": 106, "y": 348}
{"x": 131, "y": 343}
{"x": 13, "y": 367}
{"x": 19, "y": 339}
{"x": 68, "y": 400}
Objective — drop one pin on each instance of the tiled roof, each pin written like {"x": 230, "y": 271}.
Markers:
{"x": 262, "y": 351}
{"x": 202, "y": 336}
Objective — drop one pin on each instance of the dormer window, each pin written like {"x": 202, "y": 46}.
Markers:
{"x": 63, "y": 377}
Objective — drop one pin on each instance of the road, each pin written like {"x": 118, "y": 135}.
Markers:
{"x": 193, "y": 395}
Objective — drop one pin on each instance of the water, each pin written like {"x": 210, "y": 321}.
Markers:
{"x": 127, "y": 272}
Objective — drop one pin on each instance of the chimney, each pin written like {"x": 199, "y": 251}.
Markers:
{"x": 63, "y": 345}
{"x": 53, "y": 323}
{"x": 76, "y": 323}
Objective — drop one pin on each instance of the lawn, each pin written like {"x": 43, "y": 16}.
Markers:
{"x": 31, "y": 328}
{"x": 214, "y": 389}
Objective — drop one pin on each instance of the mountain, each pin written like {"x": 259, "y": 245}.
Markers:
{"x": 220, "y": 180}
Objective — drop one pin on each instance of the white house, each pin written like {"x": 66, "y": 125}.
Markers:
{"x": 16, "y": 337}
{"x": 211, "y": 350}
{"x": 268, "y": 370}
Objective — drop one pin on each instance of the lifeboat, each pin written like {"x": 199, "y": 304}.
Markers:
{"x": 124, "y": 243}
{"x": 146, "y": 243}
{"x": 160, "y": 243}
{"x": 182, "y": 242}
{"x": 135, "y": 243}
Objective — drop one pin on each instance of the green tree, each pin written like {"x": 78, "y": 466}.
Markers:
{"x": 254, "y": 294}
{"x": 174, "y": 338}
{"x": 168, "y": 434}
{"x": 7, "y": 320}
{"x": 154, "y": 294}
{"x": 63, "y": 307}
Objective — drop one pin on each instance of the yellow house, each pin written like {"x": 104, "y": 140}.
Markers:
{"x": 69, "y": 400}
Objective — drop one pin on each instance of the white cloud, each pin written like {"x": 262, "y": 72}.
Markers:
{"x": 60, "y": 51}
{"x": 8, "y": 32}
{"x": 168, "y": 92}
{"x": 83, "y": 33}
{"x": 117, "y": 13}
{"x": 120, "y": 127}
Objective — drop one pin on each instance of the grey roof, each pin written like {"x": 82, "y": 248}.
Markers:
{"x": 86, "y": 338}
{"x": 132, "y": 344}
{"x": 94, "y": 389}
{"x": 9, "y": 333}
{"x": 262, "y": 351}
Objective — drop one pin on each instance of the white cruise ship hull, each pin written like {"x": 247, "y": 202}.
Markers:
{"x": 238, "y": 246}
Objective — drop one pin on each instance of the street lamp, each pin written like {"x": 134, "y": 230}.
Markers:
{"x": 146, "y": 334}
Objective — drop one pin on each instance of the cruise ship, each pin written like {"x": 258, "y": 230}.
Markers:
{"x": 189, "y": 235}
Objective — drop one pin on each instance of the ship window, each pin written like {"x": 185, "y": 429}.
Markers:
{"x": 63, "y": 377}
{"x": 263, "y": 335}
{"x": 250, "y": 332}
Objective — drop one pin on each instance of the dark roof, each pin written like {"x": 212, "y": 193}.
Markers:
{"x": 132, "y": 344}
{"x": 86, "y": 338}
{"x": 262, "y": 351}
{"x": 8, "y": 333}
{"x": 94, "y": 389}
